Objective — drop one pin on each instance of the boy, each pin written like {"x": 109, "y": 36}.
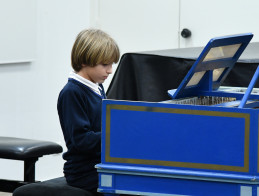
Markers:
{"x": 79, "y": 106}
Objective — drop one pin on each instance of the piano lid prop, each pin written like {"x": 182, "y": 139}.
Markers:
{"x": 202, "y": 83}
{"x": 212, "y": 66}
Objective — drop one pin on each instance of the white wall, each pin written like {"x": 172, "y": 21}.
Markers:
{"x": 17, "y": 30}
{"x": 29, "y": 91}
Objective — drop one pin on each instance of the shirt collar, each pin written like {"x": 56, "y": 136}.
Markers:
{"x": 94, "y": 86}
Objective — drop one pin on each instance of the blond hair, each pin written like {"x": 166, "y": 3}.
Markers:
{"x": 92, "y": 47}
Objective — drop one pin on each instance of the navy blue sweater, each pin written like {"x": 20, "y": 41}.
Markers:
{"x": 79, "y": 110}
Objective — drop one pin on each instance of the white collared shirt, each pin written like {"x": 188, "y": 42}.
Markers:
{"x": 94, "y": 86}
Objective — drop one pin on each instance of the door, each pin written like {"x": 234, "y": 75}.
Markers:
{"x": 206, "y": 19}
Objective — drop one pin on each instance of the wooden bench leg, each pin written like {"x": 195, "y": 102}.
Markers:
{"x": 29, "y": 169}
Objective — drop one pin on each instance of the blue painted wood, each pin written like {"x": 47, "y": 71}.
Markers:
{"x": 249, "y": 89}
{"x": 161, "y": 148}
{"x": 170, "y": 149}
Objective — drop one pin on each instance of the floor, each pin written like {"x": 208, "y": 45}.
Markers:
{"x": 5, "y": 194}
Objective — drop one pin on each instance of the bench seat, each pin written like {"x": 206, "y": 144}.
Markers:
{"x": 27, "y": 150}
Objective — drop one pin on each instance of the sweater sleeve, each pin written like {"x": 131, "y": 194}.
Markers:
{"x": 74, "y": 119}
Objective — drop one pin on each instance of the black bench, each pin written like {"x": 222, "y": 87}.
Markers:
{"x": 26, "y": 150}
{"x": 53, "y": 187}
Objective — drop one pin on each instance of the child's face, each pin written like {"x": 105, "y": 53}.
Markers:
{"x": 99, "y": 73}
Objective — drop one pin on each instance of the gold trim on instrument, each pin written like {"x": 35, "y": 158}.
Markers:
{"x": 246, "y": 116}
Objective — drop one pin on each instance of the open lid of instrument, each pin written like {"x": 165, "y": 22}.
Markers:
{"x": 212, "y": 66}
